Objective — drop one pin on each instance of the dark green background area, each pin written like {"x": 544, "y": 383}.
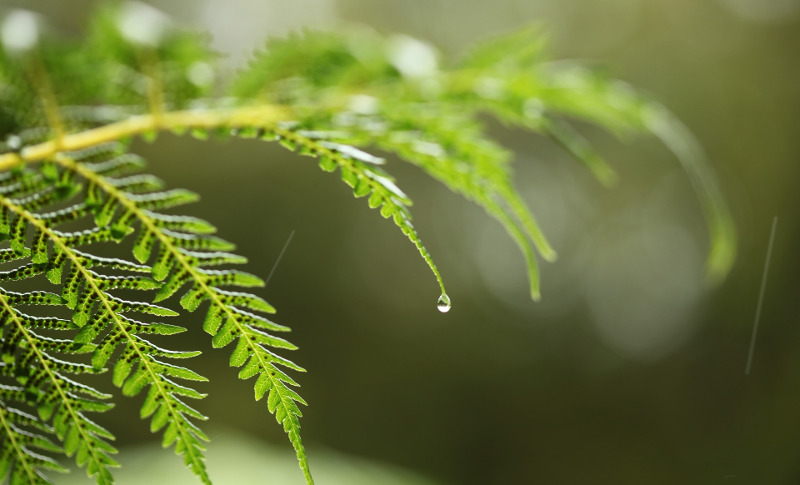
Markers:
{"x": 503, "y": 390}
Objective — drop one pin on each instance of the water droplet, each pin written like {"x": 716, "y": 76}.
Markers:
{"x": 443, "y": 304}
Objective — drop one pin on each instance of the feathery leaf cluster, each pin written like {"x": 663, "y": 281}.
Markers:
{"x": 69, "y": 185}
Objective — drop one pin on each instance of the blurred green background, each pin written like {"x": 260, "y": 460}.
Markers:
{"x": 630, "y": 370}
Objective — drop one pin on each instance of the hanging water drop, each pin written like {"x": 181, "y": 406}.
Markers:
{"x": 444, "y": 303}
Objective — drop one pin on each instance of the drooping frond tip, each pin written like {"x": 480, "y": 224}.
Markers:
{"x": 358, "y": 169}
{"x": 722, "y": 234}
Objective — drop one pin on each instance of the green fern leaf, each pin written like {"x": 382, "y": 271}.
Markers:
{"x": 21, "y": 449}
{"x": 86, "y": 292}
{"x": 180, "y": 260}
{"x": 369, "y": 99}
{"x": 530, "y": 97}
{"x": 57, "y": 396}
{"x": 359, "y": 171}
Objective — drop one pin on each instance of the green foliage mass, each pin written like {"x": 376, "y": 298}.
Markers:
{"x": 69, "y": 185}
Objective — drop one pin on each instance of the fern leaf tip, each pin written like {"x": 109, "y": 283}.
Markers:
{"x": 607, "y": 176}
{"x": 549, "y": 254}
{"x": 721, "y": 256}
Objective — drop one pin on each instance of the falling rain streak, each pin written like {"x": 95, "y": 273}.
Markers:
{"x": 761, "y": 296}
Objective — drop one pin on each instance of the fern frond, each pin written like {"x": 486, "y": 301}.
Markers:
{"x": 360, "y": 171}
{"x": 22, "y": 442}
{"x": 451, "y": 148}
{"x": 359, "y": 88}
{"x": 146, "y": 59}
{"x": 100, "y": 315}
{"x": 536, "y": 95}
{"x": 54, "y": 395}
{"x": 184, "y": 251}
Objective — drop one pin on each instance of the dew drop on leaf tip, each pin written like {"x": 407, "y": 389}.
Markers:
{"x": 443, "y": 304}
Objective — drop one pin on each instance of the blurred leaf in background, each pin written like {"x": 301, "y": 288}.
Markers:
{"x": 238, "y": 458}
